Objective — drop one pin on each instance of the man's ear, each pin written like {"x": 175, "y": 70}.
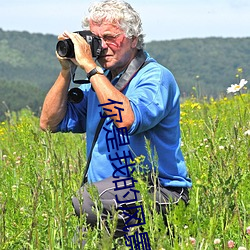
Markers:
{"x": 134, "y": 42}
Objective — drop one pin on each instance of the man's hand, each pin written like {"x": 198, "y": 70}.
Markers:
{"x": 83, "y": 54}
{"x": 66, "y": 63}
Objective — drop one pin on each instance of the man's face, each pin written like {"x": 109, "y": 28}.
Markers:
{"x": 118, "y": 50}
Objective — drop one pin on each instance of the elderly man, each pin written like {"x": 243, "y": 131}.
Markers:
{"x": 140, "y": 98}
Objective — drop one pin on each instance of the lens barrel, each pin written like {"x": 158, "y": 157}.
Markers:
{"x": 75, "y": 95}
{"x": 65, "y": 48}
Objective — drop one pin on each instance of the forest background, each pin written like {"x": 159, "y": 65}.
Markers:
{"x": 201, "y": 66}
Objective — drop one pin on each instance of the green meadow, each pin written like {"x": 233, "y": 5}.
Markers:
{"x": 40, "y": 172}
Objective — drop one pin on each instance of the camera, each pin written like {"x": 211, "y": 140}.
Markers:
{"x": 65, "y": 48}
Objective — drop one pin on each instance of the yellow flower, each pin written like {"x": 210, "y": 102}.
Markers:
{"x": 240, "y": 70}
{"x": 195, "y": 105}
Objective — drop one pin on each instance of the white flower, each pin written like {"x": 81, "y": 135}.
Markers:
{"x": 242, "y": 248}
{"x": 217, "y": 241}
{"x": 237, "y": 87}
{"x": 246, "y": 133}
{"x": 22, "y": 210}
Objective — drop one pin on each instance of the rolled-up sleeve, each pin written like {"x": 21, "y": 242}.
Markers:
{"x": 152, "y": 98}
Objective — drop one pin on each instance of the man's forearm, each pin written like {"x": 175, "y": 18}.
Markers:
{"x": 55, "y": 103}
{"x": 104, "y": 91}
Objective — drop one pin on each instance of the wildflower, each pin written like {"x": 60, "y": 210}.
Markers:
{"x": 230, "y": 244}
{"x": 247, "y": 133}
{"x": 192, "y": 240}
{"x": 242, "y": 248}
{"x": 195, "y": 106}
{"x": 216, "y": 241}
{"x": 240, "y": 70}
{"x": 248, "y": 230}
{"x": 14, "y": 188}
{"x": 137, "y": 160}
{"x": 198, "y": 182}
{"x": 45, "y": 216}
{"x": 221, "y": 147}
{"x": 237, "y": 87}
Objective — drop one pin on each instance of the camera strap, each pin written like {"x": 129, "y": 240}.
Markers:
{"x": 136, "y": 64}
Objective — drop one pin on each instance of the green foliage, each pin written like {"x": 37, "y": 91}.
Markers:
{"x": 36, "y": 184}
{"x": 28, "y": 58}
{"x": 208, "y": 62}
{"x": 40, "y": 172}
{"x": 28, "y": 68}
{"x": 14, "y": 95}
{"x": 203, "y": 67}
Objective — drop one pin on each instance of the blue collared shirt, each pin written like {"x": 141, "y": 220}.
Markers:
{"x": 154, "y": 97}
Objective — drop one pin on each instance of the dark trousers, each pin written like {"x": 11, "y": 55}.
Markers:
{"x": 115, "y": 194}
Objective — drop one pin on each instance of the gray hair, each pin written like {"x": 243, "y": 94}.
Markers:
{"x": 120, "y": 13}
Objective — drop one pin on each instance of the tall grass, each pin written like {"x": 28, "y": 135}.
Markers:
{"x": 40, "y": 172}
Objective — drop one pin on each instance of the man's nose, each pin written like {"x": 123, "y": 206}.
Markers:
{"x": 104, "y": 44}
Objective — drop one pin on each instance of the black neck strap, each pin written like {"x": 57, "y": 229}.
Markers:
{"x": 135, "y": 65}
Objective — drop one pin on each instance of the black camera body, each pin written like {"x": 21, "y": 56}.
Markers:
{"x": 65, "y": 48}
